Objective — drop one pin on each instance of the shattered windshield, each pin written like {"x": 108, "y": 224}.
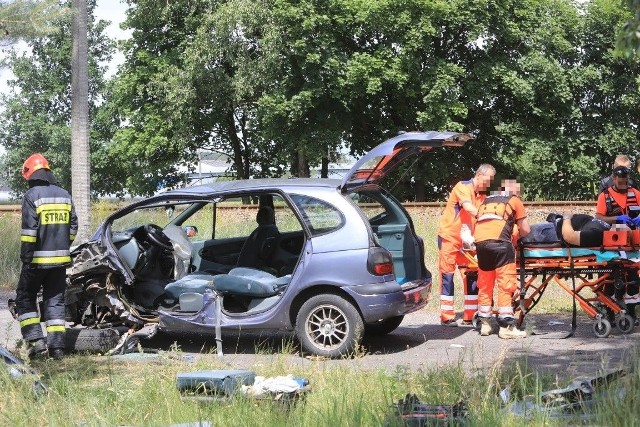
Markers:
{"x": 160, "y": 215}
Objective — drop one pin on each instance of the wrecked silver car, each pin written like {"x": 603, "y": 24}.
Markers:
{"x": 330, "y": 260}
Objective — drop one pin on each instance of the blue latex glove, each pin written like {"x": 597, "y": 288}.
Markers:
{"x": 636, "y": 221}
{"x": 624, "y": 219}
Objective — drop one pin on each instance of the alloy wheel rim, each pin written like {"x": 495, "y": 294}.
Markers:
{"x": 327, "y": 327}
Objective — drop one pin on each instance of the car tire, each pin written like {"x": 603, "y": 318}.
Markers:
{"x": 90, "y": 340}
{"x": 383, "y": 327}
{"x": 328, "y": 325}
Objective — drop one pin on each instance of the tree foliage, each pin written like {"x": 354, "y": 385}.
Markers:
{"x": 284, "y": 86}
{"x": 629, "y": 36}
{"x": 27, "y": 19}
{"x": 37, "y": 110}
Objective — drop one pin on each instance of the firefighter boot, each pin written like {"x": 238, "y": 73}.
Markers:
{"x": 37, "y": 349}
{"x": 485, "y": 326}
{"x": 510, "y": 332}
{"x": 56, "y": 353}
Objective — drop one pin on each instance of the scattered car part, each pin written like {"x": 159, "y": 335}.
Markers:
{"x": 572, "y": 403}
{"x": 412, "y": 412}
{"x": 17, "y": 369}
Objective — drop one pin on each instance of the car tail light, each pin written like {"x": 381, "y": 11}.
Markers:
{"x": 379, "y": 261}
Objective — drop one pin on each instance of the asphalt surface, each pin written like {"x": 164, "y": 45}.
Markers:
{"x": 420, "y": 343}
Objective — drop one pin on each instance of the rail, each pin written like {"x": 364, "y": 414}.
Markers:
{"x": 534, "y": 205}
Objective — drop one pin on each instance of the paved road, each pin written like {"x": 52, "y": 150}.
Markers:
{"x": 421, "y": 343}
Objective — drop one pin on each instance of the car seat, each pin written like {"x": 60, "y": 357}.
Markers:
{"x": 240, "y": 281}
{"x": 261, "y": 243}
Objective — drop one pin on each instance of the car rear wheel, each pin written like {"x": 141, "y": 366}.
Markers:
{"x": 383, "y": 327}
{"x": 329, "y": 325}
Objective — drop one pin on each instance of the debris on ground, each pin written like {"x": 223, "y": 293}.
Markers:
{"x": 129, "y": 341}
{"x": 574, "y": 402}
{"x": 18, "y": 369}
{"x": 412, "y": 412}
{"x": 223, "y": 384}
{"x": 214, "y": 382}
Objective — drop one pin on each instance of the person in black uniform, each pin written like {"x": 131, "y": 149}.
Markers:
{"x": 49, "y": 226}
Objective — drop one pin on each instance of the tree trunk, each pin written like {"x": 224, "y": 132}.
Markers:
{"x": 324, "y": 168}
{"x": 236, "y": 145}
{"x": 80, "y": 167}
{"x": 302, "y": 164}
{"x": 420, "y": 191}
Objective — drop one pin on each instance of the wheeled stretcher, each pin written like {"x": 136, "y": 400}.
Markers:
{"x": 597, "y": 278}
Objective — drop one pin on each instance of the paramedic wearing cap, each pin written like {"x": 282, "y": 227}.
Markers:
{"x": 620, "y": 160}
{"x": 614, "y": 202}
{"x": 613, "y": 207}
{"x": 49, "y": 225}
{"x": 462, "y": 207}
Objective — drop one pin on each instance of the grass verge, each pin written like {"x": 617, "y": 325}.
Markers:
{"x": 88, "y": 391}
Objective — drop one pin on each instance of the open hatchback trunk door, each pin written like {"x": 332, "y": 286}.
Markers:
{"x": 381, "y": 160}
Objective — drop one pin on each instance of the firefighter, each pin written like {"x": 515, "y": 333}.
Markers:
{"x": 462, "y": 207}
{"x": 497, "y": 216}
{"x": 49, "y": 226}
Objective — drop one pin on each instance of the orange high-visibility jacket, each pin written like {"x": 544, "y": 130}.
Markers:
{"x": 497, "y": 217}
{"x": 454, "y": 215}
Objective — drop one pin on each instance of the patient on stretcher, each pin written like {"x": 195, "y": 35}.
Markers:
{"x": 579, "y": 230}
{"x": 586, "y": 231}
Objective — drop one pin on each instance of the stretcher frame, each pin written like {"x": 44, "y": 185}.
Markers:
{"x": 582, "y": 276}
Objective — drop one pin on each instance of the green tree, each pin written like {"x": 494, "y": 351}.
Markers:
{"x": 27, "y": 19}
{"x": 152, "y": 101}
{"x": 599, "y": 98}
{"x": 37, "y": 109}
{"x": 288, "y": 85}
{"x": 629, "y": 36}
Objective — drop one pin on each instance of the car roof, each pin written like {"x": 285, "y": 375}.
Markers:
{"x": 253, "y": 184}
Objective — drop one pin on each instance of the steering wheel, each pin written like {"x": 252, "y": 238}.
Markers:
{"x": 157, "y": 237}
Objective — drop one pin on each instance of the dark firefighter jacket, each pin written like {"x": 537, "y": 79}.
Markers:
{"x": 49, "y": 222}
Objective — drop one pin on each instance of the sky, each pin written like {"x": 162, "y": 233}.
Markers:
{"x": 108, "y": 10}
{"x": 114, "y": 11}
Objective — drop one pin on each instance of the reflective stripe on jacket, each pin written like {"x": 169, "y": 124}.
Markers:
{"x": 49, "y": 226}
{"x": 497, "y": 217}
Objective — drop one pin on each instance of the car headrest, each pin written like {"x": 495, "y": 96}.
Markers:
{"x": 265, "y": 216}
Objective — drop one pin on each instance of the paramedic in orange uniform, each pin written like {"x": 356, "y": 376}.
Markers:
{"x": 497, "y": 216}
{"x": 461, "y": 208}
{"x": 613, "y": 208}
{"x": 614, "y": 202}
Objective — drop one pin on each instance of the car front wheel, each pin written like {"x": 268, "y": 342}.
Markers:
{"x": 329, "y": 325}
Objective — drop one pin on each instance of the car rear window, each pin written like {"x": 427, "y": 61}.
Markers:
{"x": 319, "y": 216}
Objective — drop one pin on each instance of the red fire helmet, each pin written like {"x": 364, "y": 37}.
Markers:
{"x": 33, "y": 163}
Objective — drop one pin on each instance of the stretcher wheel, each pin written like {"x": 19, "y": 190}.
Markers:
{"x": 625, "y": 323}
{"x": 601, "y": 328}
